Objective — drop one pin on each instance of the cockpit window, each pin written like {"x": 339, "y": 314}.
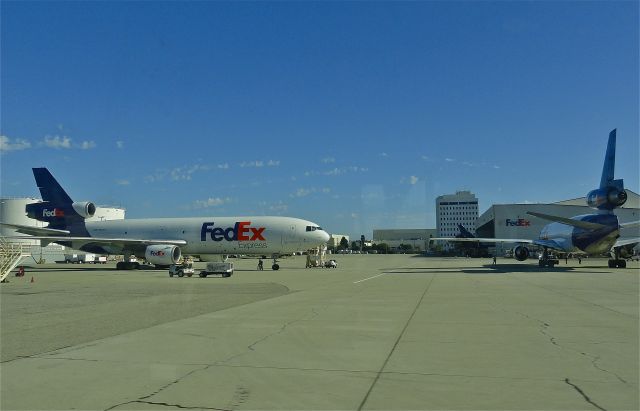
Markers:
{"x": 313, "y": 228}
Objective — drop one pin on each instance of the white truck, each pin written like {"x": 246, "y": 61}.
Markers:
{"x": 217, "y": 268}
{"x": 79, "y": 258}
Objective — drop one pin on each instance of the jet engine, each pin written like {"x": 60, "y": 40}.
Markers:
{"x": 160, "y": 254}
{"x": 520, "y": 253}
{"x": 85, "y": 208}
{"x": 606, "y": 198}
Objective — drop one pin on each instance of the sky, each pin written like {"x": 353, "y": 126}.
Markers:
{"x": 354, "y": 115}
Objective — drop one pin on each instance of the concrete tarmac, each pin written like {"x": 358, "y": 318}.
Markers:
{"x": 379, "y": 332}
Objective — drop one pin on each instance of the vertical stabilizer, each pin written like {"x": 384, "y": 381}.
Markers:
{"x": 609, "y": 161}
{"x": 50, "y": 190}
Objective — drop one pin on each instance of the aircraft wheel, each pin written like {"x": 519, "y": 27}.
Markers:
{"x": 275, "y": 267}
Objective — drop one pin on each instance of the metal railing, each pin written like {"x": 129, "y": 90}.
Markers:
{"x": 10, "y": 256}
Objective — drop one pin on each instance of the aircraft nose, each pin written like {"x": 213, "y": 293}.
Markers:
{"x": 325, "y": 237}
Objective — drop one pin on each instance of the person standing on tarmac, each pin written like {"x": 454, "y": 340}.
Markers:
{"x": 260, "y": 265}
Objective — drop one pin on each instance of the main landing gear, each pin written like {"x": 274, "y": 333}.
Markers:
{"x": 547, "y": 260}
{"x": 617, "y": 262}
{"x": 275, "y": 266}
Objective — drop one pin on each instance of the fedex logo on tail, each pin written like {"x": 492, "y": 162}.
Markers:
{"x": 56, "y": 212}
{"x": 241, "y": 231}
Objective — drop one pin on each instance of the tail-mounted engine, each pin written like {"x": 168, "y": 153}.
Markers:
{"x": 606, "y": 198}
{"x": 521, "y": 253}
{"x": 86, "y": 209}
{"x": 162, "y": 254}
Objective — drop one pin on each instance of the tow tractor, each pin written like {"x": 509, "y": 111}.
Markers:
{"x": 182, "y": 269}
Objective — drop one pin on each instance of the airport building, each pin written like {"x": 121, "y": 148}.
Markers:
{"x": 12, "y": 211}
{"x": 418, "y": 238}
{"x": 334, "y": 240}
{"x": 512, "y": 220}
{"x": 454, "y": 209}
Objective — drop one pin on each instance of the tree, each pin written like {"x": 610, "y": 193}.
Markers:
{"x": 344, "y": 243}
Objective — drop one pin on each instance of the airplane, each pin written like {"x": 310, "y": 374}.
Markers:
{"x": 162, "y": 241}
{"x": 476, "y": 250}
{"x": 589, "y": 233}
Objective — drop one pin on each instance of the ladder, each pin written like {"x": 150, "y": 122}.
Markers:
{"x": 10, "y": 256}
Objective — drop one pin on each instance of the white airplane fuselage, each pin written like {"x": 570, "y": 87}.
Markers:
{"x": 257, "y": 235}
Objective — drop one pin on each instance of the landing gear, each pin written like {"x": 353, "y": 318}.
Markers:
{"x": 547, "y": 260}
{"x": 617, "y": 262}
{"x": 275, "y": 266}
{"x": 127, "y": 265}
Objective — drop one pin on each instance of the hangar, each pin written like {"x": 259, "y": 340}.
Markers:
{"x": 416, "y": 237}
{"x": 512, "y": 220}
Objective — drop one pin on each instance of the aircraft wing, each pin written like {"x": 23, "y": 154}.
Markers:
{"x": 100, "y": 240}
{"x": 633, "y": 224}
{"x": 31, "y": 230}
{"x": 626, "y": 241}
{"x": 550, "y": 244}
{"x": 568, "y": 221}
{"x": 483, "y": 240}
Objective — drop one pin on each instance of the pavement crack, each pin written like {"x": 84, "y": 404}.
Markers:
{"x": 585, "y": 396}
{"x": 395, "y": 345}
{"x": 165, "y": 404}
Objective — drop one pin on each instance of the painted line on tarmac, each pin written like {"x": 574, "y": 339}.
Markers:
{"x": 370, "y": 278}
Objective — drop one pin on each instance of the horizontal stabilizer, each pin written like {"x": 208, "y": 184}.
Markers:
{"x": 568, "y": 221}
{"x": 31, "y": 230}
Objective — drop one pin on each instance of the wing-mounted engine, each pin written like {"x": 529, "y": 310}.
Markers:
{"x": 162, "y": 254}
{"x": 86, "y": 209}
{"x": 606, "y": 198}
{"x": 521, "y": 252}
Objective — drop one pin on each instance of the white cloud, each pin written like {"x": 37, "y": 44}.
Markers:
{"x": 224, "y": 166}
{"x": 17, "y": 144}
{"x": 123, "y": 182}
{"x": 279, "y": 208}
{"x": 302, "y": 192}
{"x": 328, "y": 160}
{"x": 184, "y": 173}
{"x": 259, "y": 163}
{"x": 449, "y": 160}
{"x": 211, "y": 202}
{"x": 120, "y": 144}
{"x": 57, "y": 142}
{"x": 413, "y": 180}
{"x": 86, "y": 145}
{"x": 383, "y": 154}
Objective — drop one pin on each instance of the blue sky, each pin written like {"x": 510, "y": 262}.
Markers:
{"x": 354, "y": 115}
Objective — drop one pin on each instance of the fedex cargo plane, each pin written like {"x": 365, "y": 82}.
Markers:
{"x": 162, "y": 241}
{"x": 595, "y": 233}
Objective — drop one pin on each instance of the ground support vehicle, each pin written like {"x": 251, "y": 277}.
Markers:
{"x": 185, "y": 268}
{"x": 217, "y": 268}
